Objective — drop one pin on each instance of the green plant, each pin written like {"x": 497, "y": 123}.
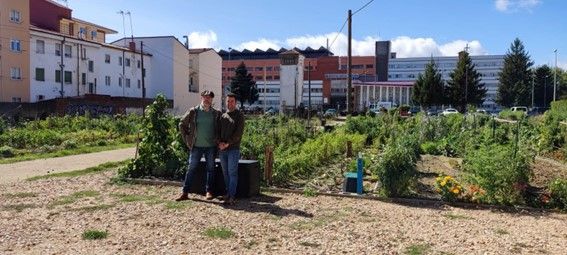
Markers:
{"x": 94, "y": 234}
{"x": 219, "y": 232}
{"x": 309, "y": 192}
{"x": 558, "y": 190}
{"x": 431, "y": 148}
{"x": 7, "y": 151}
{"x": 418, "y": 249}
{"x": 396, "y": 167}
{"x": 500, "y": 171}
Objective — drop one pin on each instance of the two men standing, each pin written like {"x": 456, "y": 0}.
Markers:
{"x": 204, "y": 130}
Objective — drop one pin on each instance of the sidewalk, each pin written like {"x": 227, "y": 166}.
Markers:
{"x": 22, "y": 170}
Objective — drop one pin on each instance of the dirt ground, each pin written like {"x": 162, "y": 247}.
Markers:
{"x": 50, "y": 216}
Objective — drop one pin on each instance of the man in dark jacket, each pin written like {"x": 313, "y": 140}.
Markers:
{"x": 198, "y": 129}
{"x": 231, "y": 127}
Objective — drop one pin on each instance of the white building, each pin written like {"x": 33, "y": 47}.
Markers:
{"x": 291, "y": 78}
{"x": 269, "y": 92}
{"x": 89, "y": 67}
{"x": 408, "y": 69}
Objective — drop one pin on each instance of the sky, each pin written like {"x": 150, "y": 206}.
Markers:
{"x": 417, "y": 28}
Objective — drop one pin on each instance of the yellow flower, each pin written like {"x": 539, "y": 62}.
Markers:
{"x": 456, "y": 191}
{"x": 443, "y": 183}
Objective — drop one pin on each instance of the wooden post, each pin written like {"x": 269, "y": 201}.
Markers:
{"x": 268, "y": 164}
{"x": 349, "y": 149}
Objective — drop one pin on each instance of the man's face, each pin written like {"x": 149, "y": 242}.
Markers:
{"x": 230, "y": 103}
{"x": 207, "y": 100}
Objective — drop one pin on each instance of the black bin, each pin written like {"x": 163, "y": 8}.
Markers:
{"x": 248, "y": 179}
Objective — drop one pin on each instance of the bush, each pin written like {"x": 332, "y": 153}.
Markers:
{"x": 510, "y": 115}
{"x": 558, "y": 190}
{"x": 431, "y": 148}
{"x": 7, "y": 151}
{"x": 448, "y": 187}
{"x": 69, "y": 144}
{"x": 500, "y": 172}
{"x": 396, "y": 168}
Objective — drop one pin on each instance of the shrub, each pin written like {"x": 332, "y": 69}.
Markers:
{"x": 69, "y": 144}
{"x": 431, "y": 148}
{"x": 558, "y": 190}
{"x": 396, "y": 168}
{"x": 510, "y": 115}
{"x": 7, "y": 151}
{"x": 500, "y": 172}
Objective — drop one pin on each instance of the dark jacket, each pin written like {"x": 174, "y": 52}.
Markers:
{"x": 231, "y": 128}
{"x": 188, "y": 126}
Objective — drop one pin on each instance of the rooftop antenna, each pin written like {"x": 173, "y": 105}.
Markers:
{"x": 123, "y": 25}
{"x": 131, "y": 28}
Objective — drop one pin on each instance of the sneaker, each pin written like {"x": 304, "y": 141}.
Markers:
{"x": 183, "y": 197}
{"x": 209, "y": 196}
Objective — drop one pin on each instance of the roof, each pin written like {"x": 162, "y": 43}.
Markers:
{"x": 107, "y": 30}
{"x": 57, "y": 4}
{"x": 199, "y": 50}
{"x": 291, "y": 52}
{"x": 384, "y": 83}
{"x": 272, "y": 53}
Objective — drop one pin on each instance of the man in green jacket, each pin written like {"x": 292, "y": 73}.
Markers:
{"x": 198, "y": 129}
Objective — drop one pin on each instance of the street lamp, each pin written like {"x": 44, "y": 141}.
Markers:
{"x": 555, "y": 76}
{"x": 229, "y": 50}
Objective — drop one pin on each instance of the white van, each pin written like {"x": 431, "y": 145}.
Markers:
{"x": 520, "y": 109}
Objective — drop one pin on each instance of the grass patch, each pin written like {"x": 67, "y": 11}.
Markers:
{"x": 501, "y": 231}
{"x": 418, "y": 249}
{"x": 66, "y": 152}
{"x": 20, "y": 195}
{"x": 91, "y": 170}
{"x": 127, "y": 198}
{"x": 219, "y": 232}
{"x": 174, "y": 205}
{"x": 309, "y": 244}
{"x": 94, "y": 234}
{"x": 309, "y": 192}
{"x": 453, "y": 216}
{"x": 64, "y": 200}
{"x": 19, "y": 207}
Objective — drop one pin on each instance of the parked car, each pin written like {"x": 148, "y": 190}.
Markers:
{"x": 537, "y": 111}
{"x": 432, "y": 112}
{"x": 449, "y": 111}
{"x": 482, "y": 111}
{"x": 270, "y": 111}
{"x": 520, "y": 109}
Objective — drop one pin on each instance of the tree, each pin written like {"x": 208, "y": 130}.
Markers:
{"x": 465, "y": 87}
{"x": 428, "y": 88}
{"x": 543, "y": 86}
{"x": 243, "y": 86}
{"x": 515, "y": 78}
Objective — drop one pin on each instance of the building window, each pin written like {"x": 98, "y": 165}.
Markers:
{"x": 190, "y": 63}
{"x": 40, "y": 74}
{"x": 84, "y": 53}
{"x": 82, "y": 32}
{"x": 107, "y": 58}
{"x": 16, "y": 73}
{"x": 40, "y": 47}
{"x": 268, "y": 68}
{"x": 15, "y": 16}
{"x": 119, "y": 61}
{"x": 369, "y": 66}
{"x": 93, "y": 35}
{"x": 91, "y": 66}
{"x": 57, "y": 49}
{"x": 259, "y": 68}
{"x": 138, "y": 64}
{"x": 120, "y": 82}
{"x": 127, "y": 62}
{"x": 127, "y": 82}
{"x": 16, "y": 45}
{"x": 16, "y": 99}
{"x": 107, "y": 80}
{"x": 277, "y": 77}
{"x": 139, "y": 84}
{"x": 40, "y": 97}
{"x": 68, "y": 51}
{"x": 83, "y": 78}
{"x": 68, "y": 77}
{"x": 58, "y": 76}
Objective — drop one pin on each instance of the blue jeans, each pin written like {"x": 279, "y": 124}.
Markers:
{"x": 229, "y": 162}
{"x": 194, "y": 159}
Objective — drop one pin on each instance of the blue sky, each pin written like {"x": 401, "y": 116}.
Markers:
{"x": 415, "y": 27}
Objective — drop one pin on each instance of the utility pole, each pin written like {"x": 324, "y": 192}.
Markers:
{"x": 62, "y": 66}
{"x": 533, "y": 80}
{"x": 555, "y": 77}
{"x": 143, "y": 71}
{"x": 264, "y": 87}
{"x": 350, "y": 96}
{"x": 466, "y": 79}
{"x": 309, "y": 93}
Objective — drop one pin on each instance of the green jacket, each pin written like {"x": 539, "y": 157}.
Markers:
{"x": 188, "y": 126}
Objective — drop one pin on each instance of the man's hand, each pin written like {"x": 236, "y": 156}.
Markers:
{"x": 223, "y": 146}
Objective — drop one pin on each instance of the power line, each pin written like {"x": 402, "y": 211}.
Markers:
{"x": 346, "y": 20}
{"x": 361, "y": 8}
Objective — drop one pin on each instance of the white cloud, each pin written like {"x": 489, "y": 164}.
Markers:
{"x": 516, "y": 5}
{"x": 262, "y": 44}
{"x": 203, "y": 39}
{"x": 423, "y": 47}
{"x": 404, "y": 46}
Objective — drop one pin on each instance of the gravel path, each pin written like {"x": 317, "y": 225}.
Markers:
{"x": 49, "y": 217}
{"x": 22, "y": 170}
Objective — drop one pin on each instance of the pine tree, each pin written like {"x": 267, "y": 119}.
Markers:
{"x": 428, "y": 88}
{"x": 515, "y": 78}
{"x": 243, "y": 86}
{"x": 465, "y": 87}
{"x": 543, "y": 86}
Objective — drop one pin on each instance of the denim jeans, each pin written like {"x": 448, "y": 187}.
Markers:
{"x": 194, "y": 159}
{"x": 229, "y": 162}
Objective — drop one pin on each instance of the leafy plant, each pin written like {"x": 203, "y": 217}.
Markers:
{"x": 448, "y": 187}
{"x": 219, "y": 232}
{"x": 558, "y": 190}
{"x": 396, "y": 168}
{"x": 94, "y": 234}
